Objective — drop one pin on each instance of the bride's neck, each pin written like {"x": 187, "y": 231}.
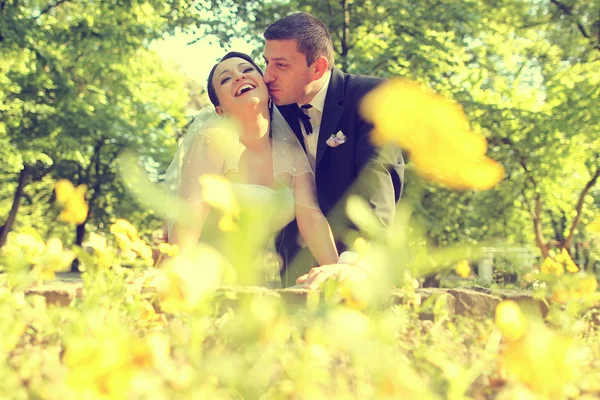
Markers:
{"x": 256, "y": 131}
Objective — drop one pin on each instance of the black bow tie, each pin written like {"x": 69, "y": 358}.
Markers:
{"x": 305, "y": 118}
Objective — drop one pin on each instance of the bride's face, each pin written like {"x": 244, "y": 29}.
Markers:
{"x": 238, "y": 85}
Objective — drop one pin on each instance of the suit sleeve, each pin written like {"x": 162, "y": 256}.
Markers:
{"x": 382, "y": 174}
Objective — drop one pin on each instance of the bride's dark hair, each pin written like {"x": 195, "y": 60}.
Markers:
{"x": 212, "y": 95}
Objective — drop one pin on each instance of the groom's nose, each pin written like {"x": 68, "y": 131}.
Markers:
{"x": 268, "y": 76}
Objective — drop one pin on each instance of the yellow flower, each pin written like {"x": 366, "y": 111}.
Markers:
{"x": 542, "y": 360}
{"x": 218, "y": 193}
{"x": 361, "y": 246}
{"x": 124, "y": 227}
{"x": 594, "y": 226}
{"x": 560, "y": 295}
{"x": 587, "y": 285}
{"x": 100, "y": 366}
{"x": 54, "y": 259}
{"x": 565, "y": 259}
{"x": 510, "y": 320}
{"x": 550, "y": 266}
{"x": 72, "y": 200}
{"x": 463, "y": 269}
{"x": 436, "y": 133}
{"x": 185, "y": 280}
{"x": 103, "y": 254}
{"x": 29, "y": 244}
{"x": 352, "y": 296}
{"x": 169, "y": 250}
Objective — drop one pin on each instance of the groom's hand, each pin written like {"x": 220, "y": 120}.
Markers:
{"x": 340, "y": 272}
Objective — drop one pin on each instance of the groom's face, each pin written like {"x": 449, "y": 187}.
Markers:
{"x": 287, "y": 74}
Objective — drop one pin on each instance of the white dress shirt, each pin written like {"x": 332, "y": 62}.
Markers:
{"x": 316, "y": 114}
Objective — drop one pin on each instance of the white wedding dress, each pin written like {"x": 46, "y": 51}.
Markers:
{"x": 206, "y": 150}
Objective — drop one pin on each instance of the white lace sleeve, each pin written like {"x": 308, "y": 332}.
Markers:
{"x": 209, "y": 147}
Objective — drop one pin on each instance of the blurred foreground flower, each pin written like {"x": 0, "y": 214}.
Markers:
{"x": 556, "y": 265}
{"x": 436, "y": 133}
{"x": 578, "y": 287}
{"x": 185, "y": 280}
{"x": 534, "y": 354}
{"x": 565, "y": 259}
{"x": 218, "y": 193}
{"x": 463, "y": 269}
{"x": 45, "y": 259}
{"x": 594, "y": 226}
{"x": 510, "y": 320}
{"x": 102, "y": 365}
{"x": 72, "y": 201}
{"x": 130, "y": 244}
{"x": 169, "y": 250}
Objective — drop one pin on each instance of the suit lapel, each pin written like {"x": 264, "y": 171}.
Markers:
{"x": 332, "y": 112}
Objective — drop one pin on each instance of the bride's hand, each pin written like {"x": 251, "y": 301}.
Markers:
{"x": 340, "y": 272}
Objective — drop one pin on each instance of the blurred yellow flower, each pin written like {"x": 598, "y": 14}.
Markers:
{"x": 128, "y": 241}
{"x": 72, "y": 201}
{"x": 352, "y": 295}
{"x": 361, "y": 246}
{"x": 510, "y": 320}
{"x": 587, "y": 285}
{"x": 594, "y": 226}
{"x": 100, "y": 365}
{"x": 436, "y": 133}
{"x": 550, "y": 266}
{"x": 463, "y": 269}
{"x": 565, "y": 259}
{"x": 125, "y": 227}
{"x": 169, "y": 250}
{"x": 54, "y": 259}
{"x": 560, "y": 295}
{"x": 103, "y": 254}
{"x": 25, "y": 244}
{"x": 185, "y": 280}
{"x": 542, "y": 360}
{"x": 218, "y": 193}
{"x": 44, "y": 258}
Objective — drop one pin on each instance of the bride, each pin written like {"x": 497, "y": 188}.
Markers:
{"x": 264, "y": 163}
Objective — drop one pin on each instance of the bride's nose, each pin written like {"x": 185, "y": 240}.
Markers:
{"x": 239, "y": 76}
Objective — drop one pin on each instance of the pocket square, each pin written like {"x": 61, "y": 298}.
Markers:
{"x": 336, "y": 140}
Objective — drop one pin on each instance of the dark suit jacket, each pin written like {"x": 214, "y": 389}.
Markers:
{"x": 338, "y": 169}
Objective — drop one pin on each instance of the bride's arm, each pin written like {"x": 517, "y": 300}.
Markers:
{"x": 312, "y": 224}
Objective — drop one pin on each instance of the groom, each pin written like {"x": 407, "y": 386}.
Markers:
{"x": 320, "y": 103}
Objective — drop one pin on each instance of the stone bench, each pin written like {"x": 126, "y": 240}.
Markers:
{"x": 476, "y": 302}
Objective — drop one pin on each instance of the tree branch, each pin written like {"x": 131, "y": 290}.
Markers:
{"x": 569, "y": 242}
{"x": 50, "y": 7}
{"x": 568, "y": 11}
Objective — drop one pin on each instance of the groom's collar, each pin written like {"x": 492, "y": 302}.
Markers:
{"x": 318, "y": 101}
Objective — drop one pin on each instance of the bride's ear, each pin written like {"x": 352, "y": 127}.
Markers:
{"x": 220, "y": 111}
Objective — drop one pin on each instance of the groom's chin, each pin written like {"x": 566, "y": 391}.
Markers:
{"x": 278, "y": 101}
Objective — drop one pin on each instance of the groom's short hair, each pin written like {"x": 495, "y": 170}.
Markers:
{"x": 311, "y": 36}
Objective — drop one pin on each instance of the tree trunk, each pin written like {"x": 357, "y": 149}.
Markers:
{"x": 80, "y": 229}
{"x": 12, "y": 215}
{"x": 537, "y": 227}
{"x": 345, "y": 35}
{"x": 579, "y": 208}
